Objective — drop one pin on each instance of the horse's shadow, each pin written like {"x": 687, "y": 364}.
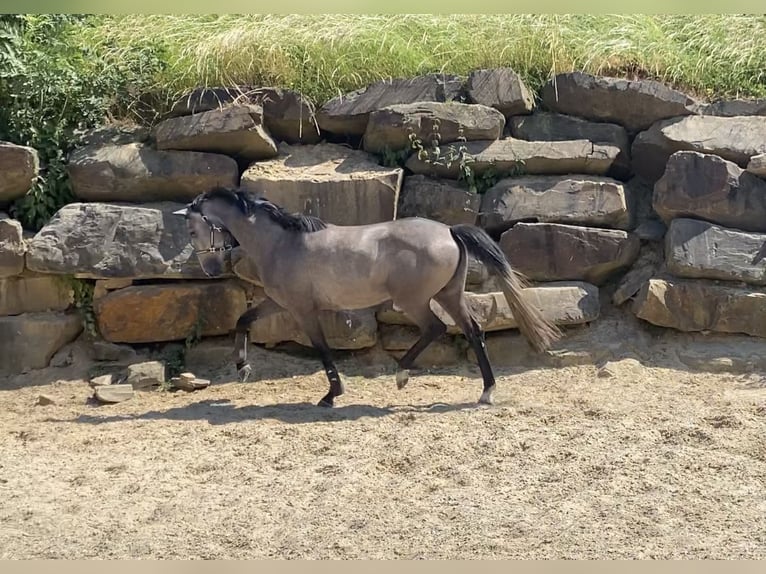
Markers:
{"x": 222, "y": 412}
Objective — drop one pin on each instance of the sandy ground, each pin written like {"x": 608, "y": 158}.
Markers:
{"x": 650, "y": 462}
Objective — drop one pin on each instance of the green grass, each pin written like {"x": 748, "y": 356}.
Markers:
{"x": 326, "y": 55}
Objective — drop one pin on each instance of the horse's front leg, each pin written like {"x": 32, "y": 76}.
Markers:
{"x": 264, "y": 309}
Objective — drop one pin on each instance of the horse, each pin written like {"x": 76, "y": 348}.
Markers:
{"x": 307, "y": 265}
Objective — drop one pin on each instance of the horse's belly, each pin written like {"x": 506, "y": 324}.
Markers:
{"x": 349, "y": 296}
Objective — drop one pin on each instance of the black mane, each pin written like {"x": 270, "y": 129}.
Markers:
{"x": 250, "y": 204}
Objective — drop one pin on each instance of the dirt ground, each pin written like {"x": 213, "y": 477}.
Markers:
{"x": 646, "y": 462}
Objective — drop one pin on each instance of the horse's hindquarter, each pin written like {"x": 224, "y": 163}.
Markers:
{"x": 352, "y": 267}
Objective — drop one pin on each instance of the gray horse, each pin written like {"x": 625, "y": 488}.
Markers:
{"x": 307, "y": 266}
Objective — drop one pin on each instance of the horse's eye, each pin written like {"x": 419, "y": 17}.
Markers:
{"x": 193, "y": 235}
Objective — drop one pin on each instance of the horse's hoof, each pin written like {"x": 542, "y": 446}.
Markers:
{"x": 244, "y": 373}
{"x": 486, "y": 399}
{"x": 325, "y": 404}
{"x": 402, "y": 377}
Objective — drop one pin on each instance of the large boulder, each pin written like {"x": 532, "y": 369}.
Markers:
{"x": 101, "y": 241}
{"x": 34, "y": 293}
{"x": 563, "y": 303}
{"x": 548, "y": 126}
{"x": 12, "y": 247}
{"x": 699, "y": 305}
{"x": 135, "y": 172}
{"x": 440, "y": 200}
{"x": 235, "y": 130}
{"x": 288, "y": 115}
{"x": 705, "y": 186}
{"x": 635, "y": 104}
{"x": 389, "y": 128}
{"x": 511, "y": 156}
{"x": 579, "y": 200}
{"x": 698, "y": 249}
{"x": 29, "y": 341}
{"x": 555, "y": 252}
{"x": 736, "y": 139}
{"x": 19, "y": 166}
{"x": 348, "y": 114}
{"x": 169, "y": 312}
{"x": 502, "y": 89}
{"x": 340, "y": 185}
{"x": 342, "y": 329}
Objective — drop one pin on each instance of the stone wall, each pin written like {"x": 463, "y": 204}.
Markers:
{"x": 602, "y": 191}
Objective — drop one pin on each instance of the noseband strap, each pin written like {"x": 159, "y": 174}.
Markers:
{"x": 212, "y": 249}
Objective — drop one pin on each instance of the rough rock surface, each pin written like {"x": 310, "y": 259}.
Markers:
{"x": 29, "y": 341}
{"x": 555, "y": 252}
{"x": 19, "y": 166}
{"x": 137, "y": 173}
{"x": 704, "y": 186}
{"x": 633, "y": 104}
{"x": 509, "y": 156}
{"x": 735, "y": 139}
{"x": 698, "y": 305}
{"x": 337, "y": 184}
{"x": 698, "y": 249}
{"x": 236, "y": 130}
{"x": 441, "y": 200}
{"x": 170, "y": 312}
{"x": 502, "y": 89}
{"x": 100, "y": 241}
{"x": 348, "y": 114}
{"x": 390, "y": 128}
{"x": 579, "y": 200}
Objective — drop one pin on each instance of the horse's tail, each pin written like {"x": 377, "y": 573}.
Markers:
{"x": 540, "y": 332}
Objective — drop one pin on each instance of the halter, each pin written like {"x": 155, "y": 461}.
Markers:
{"x": 212, "y": 249}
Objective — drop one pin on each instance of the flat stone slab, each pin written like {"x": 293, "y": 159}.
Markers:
{"x": 135, "y": 172}
{"x": 702, "y": 250}
{"x": 112, "y": 394}
{"x": 563, "y": 303}
{"x": 549, "y": 126}
{"x": 567, "y": 199}
{"x": 513, "y": 156}
{"x": 699, "y": 305}
{"x": 340, "y": 185}
{"x": 390, "y": 128}
{"x": 169, "y": 312}
{"x": 555, "y": 252}
{"x": 634, "y": 104}
{"x": 704, "y": 186}
{"x": 235, "y": 130}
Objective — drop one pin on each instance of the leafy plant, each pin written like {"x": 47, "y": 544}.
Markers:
{"x": 82, "y": 295}
{"x": 53, "y": 88}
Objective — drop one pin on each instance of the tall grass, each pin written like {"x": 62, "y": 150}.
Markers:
{"x": 325, "y": 55}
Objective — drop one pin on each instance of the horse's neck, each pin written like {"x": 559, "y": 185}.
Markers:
{"x": 260, "y": 239}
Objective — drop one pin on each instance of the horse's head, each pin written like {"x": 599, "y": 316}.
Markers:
{"x": 210, "y": 239}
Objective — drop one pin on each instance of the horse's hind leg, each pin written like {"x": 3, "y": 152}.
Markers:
{"x": 452, "y": 299}
{"x": 309, "y": 323}
{"x": 431, "y": 328}
{"x": 264, "y": 309}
